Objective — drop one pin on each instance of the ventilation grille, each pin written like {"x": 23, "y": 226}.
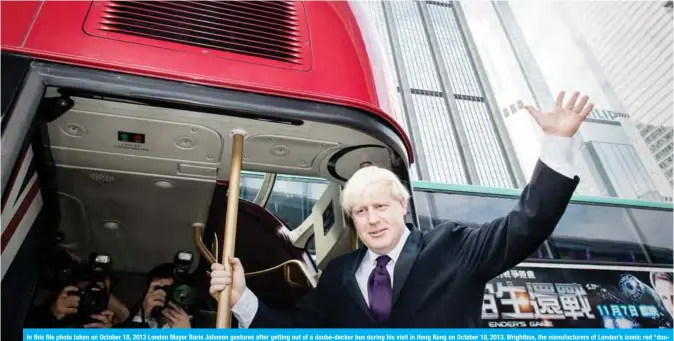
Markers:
{"x": 102, "y": 178}
{"x": 272, "y": 30}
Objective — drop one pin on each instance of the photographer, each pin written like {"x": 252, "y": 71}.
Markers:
{"x": 84, "y": 299}
{"x": 168, "y": 295}
{"x": 65, "y": 310}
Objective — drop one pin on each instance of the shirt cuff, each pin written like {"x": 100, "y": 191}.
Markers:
{"x": 557, "y": 153}
{"x": 245, "y": 309}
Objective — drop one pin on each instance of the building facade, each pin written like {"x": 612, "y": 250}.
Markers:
{"x": 539, "y": 89}
{"x": 629, "y": 48}
{"x": 450, "y": 111}
{"x": 465, "y": 132}
{"x": 613, "y": 158}
{"x": 613, "y": 164}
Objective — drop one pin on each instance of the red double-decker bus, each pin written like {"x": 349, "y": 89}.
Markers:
{"x": 125, "y": 124}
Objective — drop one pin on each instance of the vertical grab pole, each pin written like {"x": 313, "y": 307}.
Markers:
{"x": 224, "y": 317}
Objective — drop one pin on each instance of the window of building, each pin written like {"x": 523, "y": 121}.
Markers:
{"x": 664, "y": 151}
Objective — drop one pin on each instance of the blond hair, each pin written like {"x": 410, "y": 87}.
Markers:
{"x": 369, "y": 181}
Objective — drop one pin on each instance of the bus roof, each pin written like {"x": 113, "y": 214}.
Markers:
{"x": 317, "y": 51}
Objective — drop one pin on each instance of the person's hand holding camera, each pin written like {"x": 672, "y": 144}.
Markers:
{"x": 104, "y": 320}
{"x": 66, "y": 303}
{"x": 176, "y": 316}
{"x": 156, "y": 296}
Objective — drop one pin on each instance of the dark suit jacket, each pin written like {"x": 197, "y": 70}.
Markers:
{"x": 440, "y": 277}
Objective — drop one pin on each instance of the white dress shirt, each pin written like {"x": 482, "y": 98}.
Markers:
{"x": 556, "y": 153}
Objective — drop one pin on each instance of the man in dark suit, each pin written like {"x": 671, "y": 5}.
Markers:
{"x": 411, "y": 279}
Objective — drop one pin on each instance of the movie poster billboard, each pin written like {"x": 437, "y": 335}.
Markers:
{"x": 535, "y": 297}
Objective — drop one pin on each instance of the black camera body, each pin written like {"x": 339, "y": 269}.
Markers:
{"x": 93, "y": 300}
{"x": 181, "y": 292}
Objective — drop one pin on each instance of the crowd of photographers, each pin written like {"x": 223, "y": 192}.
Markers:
{"x": 79, "y": 294}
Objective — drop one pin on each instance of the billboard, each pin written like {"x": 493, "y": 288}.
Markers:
{"x": 535, "y": 297}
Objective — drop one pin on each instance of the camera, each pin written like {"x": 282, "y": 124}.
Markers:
{"x": 94, "y": 299}
{"x": 181, "y": 292}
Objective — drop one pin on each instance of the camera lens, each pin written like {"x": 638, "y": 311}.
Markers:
{"x": 183, "y": 295}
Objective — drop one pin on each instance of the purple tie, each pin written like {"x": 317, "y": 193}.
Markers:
{"x": 379, "y": 290}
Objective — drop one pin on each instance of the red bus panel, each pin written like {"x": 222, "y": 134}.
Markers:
{"x": 327, "y": 60}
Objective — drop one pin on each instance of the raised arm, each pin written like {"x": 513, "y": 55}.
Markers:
{"x": 506, "y": 241}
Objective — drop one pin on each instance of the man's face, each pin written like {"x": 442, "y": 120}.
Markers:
{"x": 665, "y": 290}
{"x": 379, "y": 222}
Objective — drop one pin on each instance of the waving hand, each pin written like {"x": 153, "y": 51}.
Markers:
{"x": 563, "y": 120}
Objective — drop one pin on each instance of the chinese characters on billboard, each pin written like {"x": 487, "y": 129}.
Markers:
{"x": 528, "y": 297}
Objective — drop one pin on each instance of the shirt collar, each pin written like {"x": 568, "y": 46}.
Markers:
{"x": 394, "y": 253}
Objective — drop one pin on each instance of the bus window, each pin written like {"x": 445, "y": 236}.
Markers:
{"x": 291, "y": 199}
{"x": 656, "y": 231}
{"x": 435, "y": 208}
{"x": 250, "y": 185}
{"x": 597, "y": 234}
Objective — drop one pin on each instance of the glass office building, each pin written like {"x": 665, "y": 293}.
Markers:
{"x": 458, "y": 97}
{"x": 629, "y": 47}
{"x": 450, "y": 112}
{"x": 611, "y": 162}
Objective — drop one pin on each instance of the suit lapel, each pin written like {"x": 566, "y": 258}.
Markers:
{"x": 407, "y": 257}
{"x": 349, "y": 278}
